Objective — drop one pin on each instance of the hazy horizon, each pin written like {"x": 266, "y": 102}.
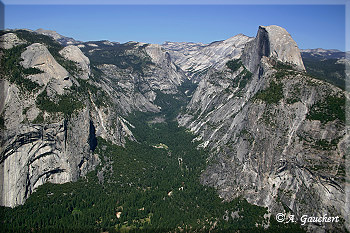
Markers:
{"x": 311, "y": 26}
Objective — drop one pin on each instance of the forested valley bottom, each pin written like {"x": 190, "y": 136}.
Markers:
{"x": 150, "y": 185}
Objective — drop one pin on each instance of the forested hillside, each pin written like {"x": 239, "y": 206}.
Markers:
{"x": 151, "y": 185}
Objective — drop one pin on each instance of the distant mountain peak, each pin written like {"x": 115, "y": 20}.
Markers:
{"x": 322, "y": 54}
{"x": 320, "y": 50}
{"x": 58, "y": 37}
{"x": 51, "y": 33}
{"x": 275, "y": 42}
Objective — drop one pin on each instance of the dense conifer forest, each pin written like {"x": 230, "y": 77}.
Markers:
{"x": 150, "y": 185}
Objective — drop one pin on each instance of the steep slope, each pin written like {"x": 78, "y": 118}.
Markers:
{"x": 73, "y": 53}
{"x": 134, "y": 73}
{"x": 150, "y": 182}
{"x": 276, "y": 135}
{"x": 150, "y": 185}
{"x": 57, "y": 101}
{"x": 196, "y": 59}
{"x": 179, "y": 50}
{"x": 50, "y": 115}
{"x": 275, "y": 42}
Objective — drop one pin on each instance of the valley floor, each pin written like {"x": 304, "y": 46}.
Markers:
{"x": 150, "y": 185}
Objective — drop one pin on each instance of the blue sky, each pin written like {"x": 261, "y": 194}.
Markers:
{"x": 311, "y": 26}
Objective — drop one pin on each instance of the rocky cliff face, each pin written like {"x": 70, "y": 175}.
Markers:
{"x": 51, "y": 121}
{"x": 273, "y": 131}
{"x": 276, "y": 135}
{"x": 35, "y": 154}
{"x": 9, "y": 40}
{"x": 134, "y": 73}
{"x": 73, "y": 53}
{"x": 50, "y": 124}
{"x": 38, "y": 56}
{"x": 196, "y": 59}
{"x": 179, "y": 50}
{"x": 275, "y": 42}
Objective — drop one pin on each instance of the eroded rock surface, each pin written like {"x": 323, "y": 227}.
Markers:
{"x": 38, "y": 56}
{"x": 266, "y": 142}
{"x": 9, "y": 40}
{"x": 272, "y": 132}
{"x": 74, "y": 54}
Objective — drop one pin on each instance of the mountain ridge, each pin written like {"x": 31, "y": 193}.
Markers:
{"x": 269, "y": 127}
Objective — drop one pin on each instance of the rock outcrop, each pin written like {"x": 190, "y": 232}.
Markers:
{"x": 42, "y": 144}
{"x": 134, "y": 84}
{"x": 260, "y": 121}
{"x": 9, "y": 40}
{"x": 38, "y": 56}
{"x": 275, "y": 42}
{"x": 276, "y": 136}
{"x": 196, "y": 59}
{"x": 164, "y": 75}
{"x": 35, "y": 154}
{"x": 179, "y": 50}
{"x": 73, "y": 53}
{"x": 56, "y": 36}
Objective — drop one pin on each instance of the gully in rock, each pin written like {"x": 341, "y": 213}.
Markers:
{"x": 229, "y": 136}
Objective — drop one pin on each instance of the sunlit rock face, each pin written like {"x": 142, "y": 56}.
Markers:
{"x": 255, "y": 110}
{"x": 196, "y": 59}
{"x": 54, "y": 75}
{"x": 275, "y": 42}
{"x": 9, "y": 40}
{"x": 40, "y": 145}
{"x": 73, "y": 53}
{"x": 266, "y": 145}
{"x": 35, "y": 154}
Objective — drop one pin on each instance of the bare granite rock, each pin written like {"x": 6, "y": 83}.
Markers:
{"x": 9, "y": 40}
{"x": 198, "y": 58}
{"x": 54, "y": 75}
{"x": 264, "y": 145}
{"x": 33, "y": 154}
{"x": 39, "y": 146}
{"x": 74, "y": 54}
{"x": 56, "y": 36}
{"x": 283, "y": 47}
{"x": 275, "y": 42}
{"x": 255, "y": 120}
